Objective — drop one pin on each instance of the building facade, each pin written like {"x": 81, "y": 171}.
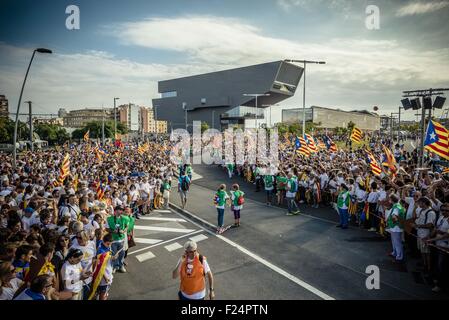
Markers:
{"x": 80, "y": 118}
{"x": 332, "y": 118}
{"x": 50, "y": 121}
{"x": 219, "y": 99}
{"x": 4, "y": 109}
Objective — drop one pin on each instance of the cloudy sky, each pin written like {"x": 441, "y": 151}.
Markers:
{"x": 124, "y": 47}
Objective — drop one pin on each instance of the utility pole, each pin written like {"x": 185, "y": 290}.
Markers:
{"x": 31, "y": 124}
{"x": 102, "y": 126}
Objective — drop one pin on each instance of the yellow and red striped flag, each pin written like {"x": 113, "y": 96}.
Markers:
{"x": 375, "y": 167}
{"x": 301, "y": 147}
{"x": 437, "y": 139}
{"x": 86, "y": 136}
{"x": 310, "y": 143}
{"x": 356, "y": 135}
{"x": 390, "y": 161}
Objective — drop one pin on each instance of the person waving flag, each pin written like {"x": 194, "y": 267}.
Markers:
{"x": 310, "y": 143}
{"x": 437, "y": 139}
{"x": 301, "y": 147}
{"x": 356, "y": 135}
{"x": 375, "y": 167}
{"x": 390, "y": 161}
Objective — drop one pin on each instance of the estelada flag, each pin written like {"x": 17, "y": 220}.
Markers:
{"x": 390, "y": 160}
{"x": 375, "y": 167}
{"x": 437, "y": 139}
{"x": 310, "y": 143}
{"x": 103, "y": 257}
{"x": 86, "y": 136}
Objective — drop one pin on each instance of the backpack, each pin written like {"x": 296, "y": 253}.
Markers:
{"x": 240, "y": 200}
{"x": 184, "y": 184}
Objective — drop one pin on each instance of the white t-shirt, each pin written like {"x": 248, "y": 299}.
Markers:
{"x": 373, "y": 197}
{"x": 421, "y": 219}
{"x": 28, "y": 222}
{"x": 201, "y": 294}
{"x": 71, "y": 272}
{"x": 411, "y": 206}
{"x": 442, "y": 225}
{"x": 72, "y": 211}
{"x": 91, "y": 227}
{"x": 89, "y": 252}
{"x": 8, "y": 293}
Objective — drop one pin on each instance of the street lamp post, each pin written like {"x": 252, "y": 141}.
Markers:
{"x": 184, "y": 106}
{"x": 40, "y": 50}
{"x": 155, "y": 120}
{"x": 115, "y": 119}
{"x": 305, "y": 62}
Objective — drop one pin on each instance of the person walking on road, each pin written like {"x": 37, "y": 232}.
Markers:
{"x": 220, "y": 201}
{"x": 343, "y": 205}
{"x": 237, "y": 198}
{"x": 183, "y": 187}
{"x": 268, "y": 181}
{"x": 292, "y": 188}
{"x": 193, "y": 268}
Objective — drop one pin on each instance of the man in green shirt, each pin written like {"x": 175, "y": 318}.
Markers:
{"x": 343, "y": 206}
{"x": 395, "y": 227}
{"x": 281, "y": 183}
{"x": 220, "y": 201}
{"x": 117, "y": 225}
{"x": 268, "y": 182}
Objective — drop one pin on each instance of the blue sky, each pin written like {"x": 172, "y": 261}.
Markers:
{"x": 123, "y": 48}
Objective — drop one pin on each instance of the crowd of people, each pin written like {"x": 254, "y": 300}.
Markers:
{"x": 67, "y": 216}
{"x": 405, "y": 201}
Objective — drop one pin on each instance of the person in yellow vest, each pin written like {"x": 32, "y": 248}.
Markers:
{"x": 192, "y": 268}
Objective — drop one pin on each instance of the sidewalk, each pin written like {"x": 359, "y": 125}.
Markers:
{"x": 307, "y": 246}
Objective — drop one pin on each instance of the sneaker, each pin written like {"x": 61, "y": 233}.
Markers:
{"x": 296, "y": 213}
{"x": 302, "y": 201}
{"x": 372, "y": 230}
{"x": 114, "y": 270}
{"x": 122, "y": 270}
{"x": 289, "y": 214}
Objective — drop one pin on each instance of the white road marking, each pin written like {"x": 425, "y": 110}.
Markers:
{"x": 280, "y": 271}
{"x": 161, "y": 210}
{"x": 173, "y": 247}
{"x": 162, "y": 219}
{"x": 164, "y": 242}
{"x": 145, "y": 256}
{"x": 147, "y": 241}
{"x": 199, "y": 238}
{"x": 196, "y": 176}
{"x": 179, "y": 230}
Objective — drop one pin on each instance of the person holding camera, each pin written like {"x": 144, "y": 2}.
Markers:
{"x": 117, "y": 226}
{"x": 193, "y": 268}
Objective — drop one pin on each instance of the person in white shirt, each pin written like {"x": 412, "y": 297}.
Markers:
{"x": 89, "y": 256}
{"x": 373, "y": 198}
{"x": 440, "y": 237}
{"x": 9, "y": 283}
{"x": 72, "y": 274}
{"x": 71, "y": 209}
{"x": 424, "y": 223}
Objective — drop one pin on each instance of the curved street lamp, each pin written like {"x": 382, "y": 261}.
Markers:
{"x": 14, "y": 152}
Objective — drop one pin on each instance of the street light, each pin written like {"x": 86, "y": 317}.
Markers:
{"x": 115, "y": 119}
{"x": 304, "y": 62}
{"x": 14, "y": 152}
{"x": 256, "y": 95}
{"x": 184, "y": 107}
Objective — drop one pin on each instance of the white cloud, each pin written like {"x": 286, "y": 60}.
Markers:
{"x": 416, "y": 8}
{"x": 89, "y": 79}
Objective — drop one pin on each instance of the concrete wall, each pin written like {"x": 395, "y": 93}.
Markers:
{"x": 335, "y": 118}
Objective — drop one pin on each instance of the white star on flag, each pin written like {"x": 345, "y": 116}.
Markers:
{"x": 432, "y": 136}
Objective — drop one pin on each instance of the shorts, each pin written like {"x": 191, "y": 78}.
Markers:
{"x": 104, "y": 289}
{"x": 422, "y": 246}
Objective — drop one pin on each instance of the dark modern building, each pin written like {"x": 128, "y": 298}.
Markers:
{"x": 218, "y": 98}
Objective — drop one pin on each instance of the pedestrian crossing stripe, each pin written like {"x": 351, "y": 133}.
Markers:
{"x": 163, "y": 229}
{"x": 145, "y": 256}
{"x": 198, "y": 238}
{"x": 162, "y": 219}
{"x": 146, "y": 241}
{"x": 173, "y": 247}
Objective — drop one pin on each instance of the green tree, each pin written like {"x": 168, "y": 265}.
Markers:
{"x": 204, "y": 126}
{"x": 54, "y": 134}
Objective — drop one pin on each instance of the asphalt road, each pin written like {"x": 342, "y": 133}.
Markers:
{"x": 271, "y": 256}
